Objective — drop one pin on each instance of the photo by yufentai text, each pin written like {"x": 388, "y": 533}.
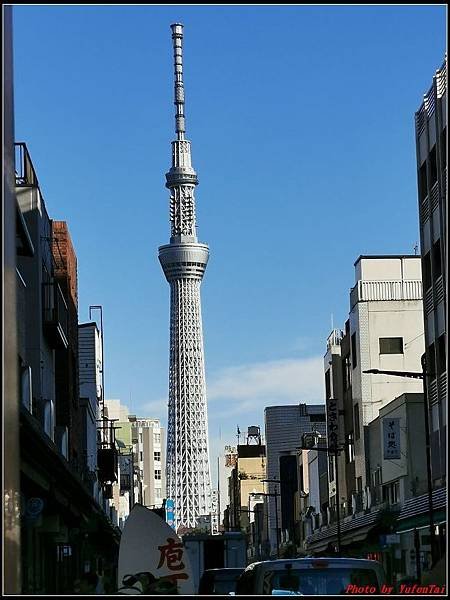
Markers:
{"x": 415, "y": 588}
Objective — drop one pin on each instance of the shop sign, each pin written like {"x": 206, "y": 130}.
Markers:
{"x": 332, "y": 424}
{"x": 391, "y": 438}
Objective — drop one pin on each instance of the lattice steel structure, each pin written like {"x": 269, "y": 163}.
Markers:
{"x": 184, "y": 262}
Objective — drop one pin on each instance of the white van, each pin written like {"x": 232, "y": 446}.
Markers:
{"x": 312, "y": 576}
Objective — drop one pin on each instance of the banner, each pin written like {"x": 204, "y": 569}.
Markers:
{"x": 152, "y": 558}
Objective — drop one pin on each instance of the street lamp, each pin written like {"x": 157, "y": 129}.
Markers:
{"x": 421, "y": 375}
{"x": 314, "y": 436}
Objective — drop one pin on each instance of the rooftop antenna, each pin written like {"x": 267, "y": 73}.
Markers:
{"x": 416, "y": 248}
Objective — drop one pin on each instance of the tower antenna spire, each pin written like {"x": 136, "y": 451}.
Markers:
{"x": 177, "y": 38}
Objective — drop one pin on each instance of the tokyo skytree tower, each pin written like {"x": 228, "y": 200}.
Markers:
{"x": 184, "y": 262}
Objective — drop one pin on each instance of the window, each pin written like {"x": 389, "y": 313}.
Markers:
{"x": 140, "y": 438}
{"x": 443, "y": 148}
{"x": 433, "y": 167}
{"x": 431, "y": 361}
{"x": 157, "y": 438}
{"x": 356, "y": 421}
{"x": 346, "y": 372}
{"x": 157, "y": 456}
{"x": 141, "y": 456}
{"x": 391, "y": 493}
{"x": 331, "y": 468}
{"x": 359, "y": 484}
{"x": 157, "y": 473}
{"x": 426, "y": 271}
{"x": 350, "y": 448}
{"x": 354, "y": 357}
{"x": 442, "y": 358}
{"x": 158, "y": 493}
{"x": 423, "y": 184}
{"x": 327, "y": 385}
{"x": 437, "y": 260}
{"x": 392, "y": 345}
{"x": 435, "y": 417}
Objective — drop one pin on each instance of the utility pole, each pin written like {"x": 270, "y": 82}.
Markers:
{"x": 275, "y": 494}
{"x": 333, "y": 451}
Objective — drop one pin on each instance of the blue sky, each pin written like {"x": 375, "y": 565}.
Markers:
{"x": 302, "y": 127}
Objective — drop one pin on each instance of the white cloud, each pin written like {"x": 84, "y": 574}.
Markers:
{"x": 156, "y": 409}
{"x": 254, "y": 386}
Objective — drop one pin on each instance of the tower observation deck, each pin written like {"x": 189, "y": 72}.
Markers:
{"x": 184, "y": 262}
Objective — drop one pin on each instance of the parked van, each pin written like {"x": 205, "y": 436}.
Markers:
{"x": 312, "y": 576}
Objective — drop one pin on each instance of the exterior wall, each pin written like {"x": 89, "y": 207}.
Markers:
{"x": 431, "y": 150}
{"x": 38, "y": 352}
{"x": 284, "y": 426}
{"x": 11, "y": 397}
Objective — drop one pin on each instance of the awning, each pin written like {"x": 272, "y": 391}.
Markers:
{"x": 421, "y": 521}
{"x": 351, "y": 531}
{"x": 415, "y": 513}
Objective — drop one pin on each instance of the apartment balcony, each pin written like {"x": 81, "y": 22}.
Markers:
{"x": 373, "y": 291}
{"x": 55, "y": 315}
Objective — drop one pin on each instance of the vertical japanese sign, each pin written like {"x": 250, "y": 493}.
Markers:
{"x": 332, "y": 424}
{"x": 152, "y": 557}
{"x": 391, "y": 438}
{"x": 170, "y": 513}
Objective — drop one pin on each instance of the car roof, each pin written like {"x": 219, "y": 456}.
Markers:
{"x": 225, "y": 570}
{"x": 335, "y": 560}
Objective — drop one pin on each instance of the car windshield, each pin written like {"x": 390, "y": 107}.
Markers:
{"x": 319, "y": 580}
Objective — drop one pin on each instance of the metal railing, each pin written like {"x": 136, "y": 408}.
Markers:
{"x": 335, "y": 338}
{"x": 386, "y": 290}
{"x": 25, "y": 173}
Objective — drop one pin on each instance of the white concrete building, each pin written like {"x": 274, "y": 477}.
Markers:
{"x": 90, "y": 363}
{"x": 386, "y": 332}
{"x": 148, "y": 439}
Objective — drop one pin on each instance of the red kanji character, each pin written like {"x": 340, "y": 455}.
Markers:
{"x": 172, "y": 553}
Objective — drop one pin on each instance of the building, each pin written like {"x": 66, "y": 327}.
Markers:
{"x": 246, "y": 490}
{"x": 143, "y": 440}
{"x": 431, "y": 151}
{"x": 284, "y": 427}
{"x": 398, "y": 475}
{"x": 379, "y": 472}
{"x": 64, "y": 530}
{"x": 148, "y": 439}
{"x": 386, "y": 333}
{"x": 14, "y": 241}
{"x": 90, "y": 368}
{"x": 68, "y": 414}
{"x": 184, "y": 262}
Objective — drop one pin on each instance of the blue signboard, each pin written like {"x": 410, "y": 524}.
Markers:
{"x": 170, "y": 516}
